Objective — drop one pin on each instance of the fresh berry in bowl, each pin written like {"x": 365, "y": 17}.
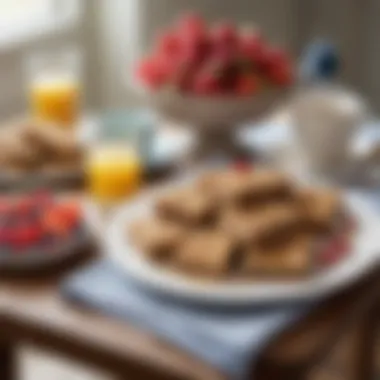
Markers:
{"x": 214, "y": 77}
{"x": 38, "y": 228}
{"x": 221, "y": 52}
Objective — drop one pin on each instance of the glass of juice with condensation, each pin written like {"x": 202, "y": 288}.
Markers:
{"x": 113, "y": 172}
{"x": 54, "y": 87}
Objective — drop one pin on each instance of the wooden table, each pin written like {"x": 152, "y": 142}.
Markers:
{"x": 32, "y": 312}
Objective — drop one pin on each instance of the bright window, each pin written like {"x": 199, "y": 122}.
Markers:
{"x": 25, "y": 19}
{"x": 17, "y": 11}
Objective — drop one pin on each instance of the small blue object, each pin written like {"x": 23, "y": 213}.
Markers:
{"x": 320, "y": 62}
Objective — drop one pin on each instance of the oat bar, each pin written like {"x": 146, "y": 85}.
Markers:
{"x": 159, "y": 239}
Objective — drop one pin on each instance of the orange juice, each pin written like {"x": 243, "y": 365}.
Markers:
{"x": 55, "y": 99}
{"x": 113, "y": 173}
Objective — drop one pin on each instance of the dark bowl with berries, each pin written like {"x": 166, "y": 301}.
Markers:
{"x": 214, "y": 77}
{"x": 39, "y": 230}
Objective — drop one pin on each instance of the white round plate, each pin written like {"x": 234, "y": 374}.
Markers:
{"x": 366, "y": 248}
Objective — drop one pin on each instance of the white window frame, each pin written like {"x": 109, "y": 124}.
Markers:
{"x": 33, "y": 29}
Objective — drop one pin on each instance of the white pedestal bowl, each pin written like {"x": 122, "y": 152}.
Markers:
{"x": 215, "y": 119}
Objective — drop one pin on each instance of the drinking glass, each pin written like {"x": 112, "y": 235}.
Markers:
{"x": 53, "y": 86}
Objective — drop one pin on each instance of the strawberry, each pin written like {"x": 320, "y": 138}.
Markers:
{"x": 243, "y": 166}
{"x": 205, "y": 84}
{"x": 224, "y": 34}
{"x": 25, "y": 206}
{"x": 4, "y": 236}
{"x": 246, "y": 85}
{"x": 144, "y": 70}
{"x": 193, "y": 52}
{"x": 193, "y": 39}
{"x": 53, "y": 222}
{"x": 251, "y": 47}
{"x": 169, "y": 44}
{"x": 224, "y": 42}
{"x": 335, "y": 250}
{"x": 192, "y": 25}
{"x": 183, "y": 76}
{"x": 70, "y": 212}
{"x": 26, "y": 236}
{"x": 280, "y": 74}
{"x": 277, "y": 67}
{"x": 215, "y": 77}
{"x": 154, "y": 71}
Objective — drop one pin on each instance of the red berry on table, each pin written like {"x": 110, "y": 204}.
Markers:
{"x": 246, "y": 85}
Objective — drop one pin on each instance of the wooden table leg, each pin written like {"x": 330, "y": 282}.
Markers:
{"x": 366, "y": 346}
{"x": 7, "y": 361}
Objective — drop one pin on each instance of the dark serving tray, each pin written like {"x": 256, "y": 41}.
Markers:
{"x": 47, "y": 253}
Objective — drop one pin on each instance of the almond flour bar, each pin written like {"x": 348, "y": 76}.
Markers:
{"x": 245, "y": 187}
{"x": 205, "y": 253}
{"x": 158, "y": 239}
{"x": 295, "y": 257}
{"x": 186, "y": 206}
{"x": 266, "y": 225}
{"x": 323, "y": 210}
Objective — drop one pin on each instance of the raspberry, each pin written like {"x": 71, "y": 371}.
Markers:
{"x": 224, "y": 42}
{"x": 280, "y": 74}
{"x": 25, "y": 236}
{"x": 251, "y": 47}
{"x": 54, "y": 222}
{"x": 193, "y": 25}
{"x": 70, "y": 212}
{"x": 335, "y": 250}
{"x": 242, "y": 166}
{"x": 225, "y": 34}
{"x": 154, "y": 71}
{"x": 205, "y": 84}
{"x": 246, "y": 85}
{"x": 169, "y": 44}
{"x": 42, "y": 197}
{"x": 183, "y": 76}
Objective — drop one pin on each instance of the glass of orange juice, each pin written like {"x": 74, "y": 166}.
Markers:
{"x": 54, "y": 87}
{"x": 118, "y": 158}
{"x": 113, "y": 172}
